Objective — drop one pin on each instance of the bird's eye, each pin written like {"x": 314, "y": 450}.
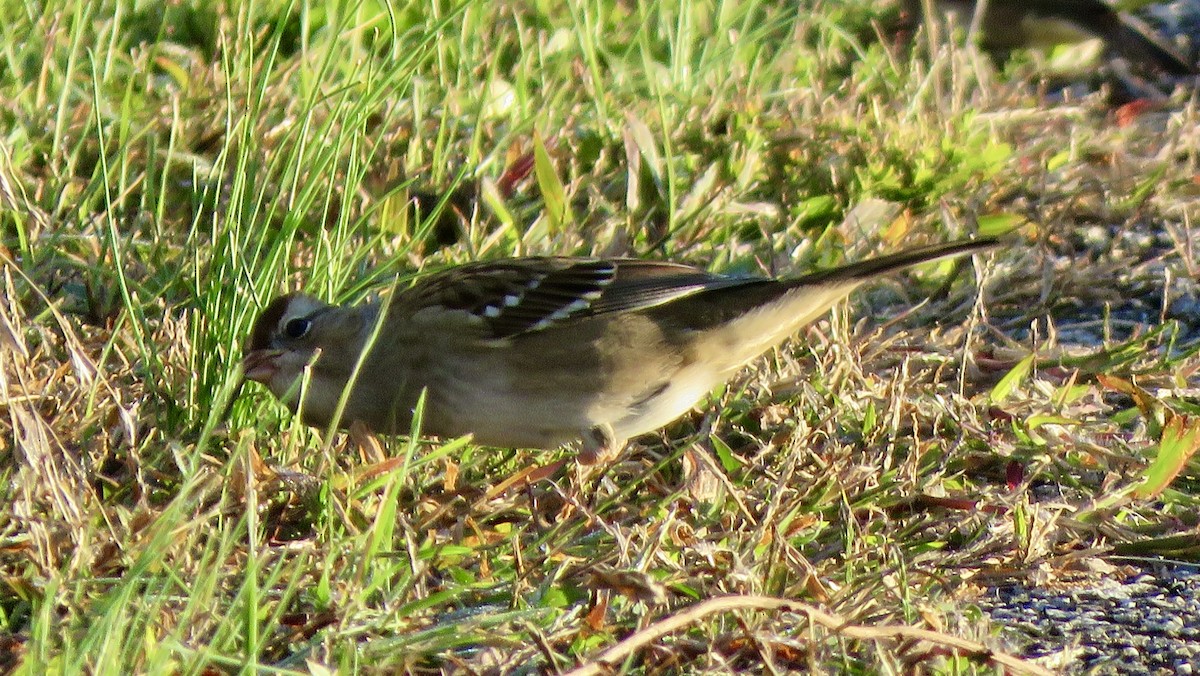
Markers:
{"x": 297, "y": 328}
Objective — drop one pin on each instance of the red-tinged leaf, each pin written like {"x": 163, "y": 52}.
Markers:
{"x": 1179, "y": 442}
{"x": 1014, "y": 474}
{"x": 990, "y": 365}
{"x": 595, "y": 616}
{"x": 1000, "y": 415}
{"x": 514, "y": 174}
{"x": 1058, "y": 372}
{"x": 961, "y": 504}
{"x": 526, "y": 476}
{"x": 1130, "y": 112}
{"x": 379, "y": 468}
{"x": 1141, "y": 398}
{"x": 922, "y": 503}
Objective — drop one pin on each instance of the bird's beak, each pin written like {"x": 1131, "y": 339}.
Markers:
{"x": 261, "y": 365}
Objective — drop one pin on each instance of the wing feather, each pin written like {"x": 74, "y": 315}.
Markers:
{"x": 520, "y": 295}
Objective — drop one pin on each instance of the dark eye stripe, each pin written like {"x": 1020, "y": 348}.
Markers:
{"x": 268, "y": 323}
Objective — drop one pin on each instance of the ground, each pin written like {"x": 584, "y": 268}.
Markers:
{"x": 840, "y": 506}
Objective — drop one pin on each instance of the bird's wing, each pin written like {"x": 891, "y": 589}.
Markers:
{"x": 521, "y": 295}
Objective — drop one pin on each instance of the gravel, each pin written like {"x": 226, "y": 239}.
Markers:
{"x": 1148, "y": 623}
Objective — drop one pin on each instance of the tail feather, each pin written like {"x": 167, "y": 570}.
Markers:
{"x": 864, "y": 270}
{"x": 766, "y": 313}
{"x": 1137, "y": 40}
{"x": 739, "y": 306}
{"x": 1011, "y": 24}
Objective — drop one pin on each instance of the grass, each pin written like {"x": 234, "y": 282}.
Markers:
{"x": 167, "y": 169}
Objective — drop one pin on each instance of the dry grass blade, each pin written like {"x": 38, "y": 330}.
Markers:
{"x": 168, "y": 167}
{"x": 56, "y": 500}
{"x": 611, "y": 657}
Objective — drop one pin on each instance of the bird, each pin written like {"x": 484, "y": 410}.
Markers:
{"x": 542, "y": 352}
{"x": 1014, "y": 24}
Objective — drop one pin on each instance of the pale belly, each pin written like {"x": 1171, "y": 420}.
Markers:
{"x": 528, "y": 416}
{"x": 678, "y": 396}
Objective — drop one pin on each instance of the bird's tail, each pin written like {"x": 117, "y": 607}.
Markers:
{"x": 765, "y": 312}
{"x": 1137, "y": 41}
{"x": 874, "y": 267}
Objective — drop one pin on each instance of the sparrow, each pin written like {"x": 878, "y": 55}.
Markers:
{"x": 542, "y": 352}
{"x": 1013, "y": 24}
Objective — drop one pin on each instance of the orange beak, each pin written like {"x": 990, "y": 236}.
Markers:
{"x": 261, "y": 365}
